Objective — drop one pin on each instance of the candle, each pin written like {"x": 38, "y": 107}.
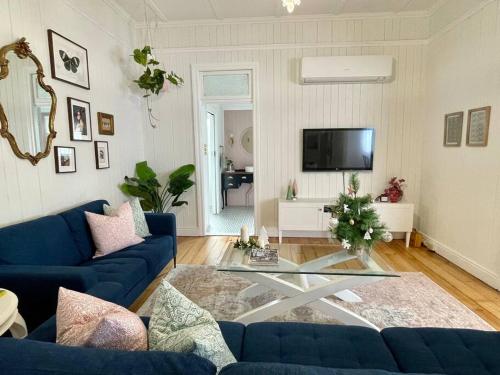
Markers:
{"x": 244, "y": 234}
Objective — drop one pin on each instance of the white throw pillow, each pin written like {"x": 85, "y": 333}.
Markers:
{"x": 141, "y": 226}
{"x": 179, "y": 325}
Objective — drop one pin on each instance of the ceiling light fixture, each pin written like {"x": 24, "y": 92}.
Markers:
{"x": 290, "y": 4}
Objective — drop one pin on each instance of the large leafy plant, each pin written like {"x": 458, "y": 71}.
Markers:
{"x": 153, "y": 196}
{"x": 153, "y": 78}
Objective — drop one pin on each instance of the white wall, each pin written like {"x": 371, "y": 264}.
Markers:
{"x": 460, "y": 194}
{"x": 28, "y": 191}
{"x": 287, "y": 107}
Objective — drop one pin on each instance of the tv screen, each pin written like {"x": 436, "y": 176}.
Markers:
{"x": 337, "y": 149}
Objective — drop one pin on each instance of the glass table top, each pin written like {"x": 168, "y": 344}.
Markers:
{"x": 315, "y": 259}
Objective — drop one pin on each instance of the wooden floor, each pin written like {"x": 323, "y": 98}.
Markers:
{"x": 479, "y": 297}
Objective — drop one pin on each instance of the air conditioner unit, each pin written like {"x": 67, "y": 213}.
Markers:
{"x": 345, "y": 69}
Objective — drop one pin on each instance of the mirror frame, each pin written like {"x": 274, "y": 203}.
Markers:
{"x": 22, "y": 50}
{"x": 243, "y": 136}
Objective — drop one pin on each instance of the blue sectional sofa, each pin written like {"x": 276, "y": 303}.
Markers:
{"x": 276, "y": 349}
{"x": 39, "y": 256}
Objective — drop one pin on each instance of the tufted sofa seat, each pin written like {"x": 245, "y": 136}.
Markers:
{"x": 444, "y": 351}
{"x": 320, "y": 349}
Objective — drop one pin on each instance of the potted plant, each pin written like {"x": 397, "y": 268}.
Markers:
{"x": 153, "y": 78}
{"x": 395, "y": 189}
{"x": 153, "y": 196}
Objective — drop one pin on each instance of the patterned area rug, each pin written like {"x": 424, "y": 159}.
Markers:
{"x": 412, "y": 300}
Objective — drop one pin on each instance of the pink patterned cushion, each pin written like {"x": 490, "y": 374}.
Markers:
{"x": 83, "y": 320}
{"x": 113, "y": 233}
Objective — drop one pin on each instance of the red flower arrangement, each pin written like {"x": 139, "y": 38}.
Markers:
{"x": 395, "y": 190}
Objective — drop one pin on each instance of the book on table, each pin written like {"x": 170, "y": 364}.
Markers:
{"x": 263, "y": 257}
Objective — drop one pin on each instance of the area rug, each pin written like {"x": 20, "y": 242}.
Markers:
{"x": 412, "y": 300}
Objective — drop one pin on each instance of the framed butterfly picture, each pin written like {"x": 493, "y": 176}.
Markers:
{"x": 68, "y": 60}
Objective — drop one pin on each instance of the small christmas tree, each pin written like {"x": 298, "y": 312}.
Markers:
{"x": 354, "y": 222}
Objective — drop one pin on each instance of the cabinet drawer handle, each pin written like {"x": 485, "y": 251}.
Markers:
{"x": 229, "y": 184}
{"x": 230, "y": 177}
{"x": 243, "y": 178}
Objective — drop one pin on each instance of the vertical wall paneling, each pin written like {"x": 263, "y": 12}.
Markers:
{"x": 286, "y": 107}
{"x": 28, "y": 191}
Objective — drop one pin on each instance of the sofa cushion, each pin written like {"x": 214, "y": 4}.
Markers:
{"x": 113, "y": 233}
{"x": 317, "y": 345}
{"x": 80, "y": 230}
{"x": 42, "y": 358}
{"x": 47, "y": 331}
{"x": 125, "y": 271}
{"x": 84, "y": 320}
{"x": 447, "y": 351}
{"x": 260, "y": 368}
{"x": 155, "y": 250}
{"x": 233, "y": 334}
{"x": 45, "y": 241}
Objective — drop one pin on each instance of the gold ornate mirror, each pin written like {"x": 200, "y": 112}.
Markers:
{"x": 27, "y": 104}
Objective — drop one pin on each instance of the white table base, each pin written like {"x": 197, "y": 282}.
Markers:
{"x": 308, "y": 289}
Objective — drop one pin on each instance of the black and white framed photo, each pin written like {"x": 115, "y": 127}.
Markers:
{"x": 453, "y": 124}
{"x": 68, "y": 61}
{"x": 478, "y": 124}
{"x": 80, "y": 124}
{"x": 65, "y": 159}
{"x": 101, "y": 154}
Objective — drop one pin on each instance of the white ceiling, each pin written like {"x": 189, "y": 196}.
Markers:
{"x": 182, "y": 10}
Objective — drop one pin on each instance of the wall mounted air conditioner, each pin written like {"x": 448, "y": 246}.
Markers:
{"x": 345, "y": 69}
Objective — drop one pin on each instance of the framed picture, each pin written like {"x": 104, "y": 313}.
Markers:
{"x": 65, "y": 159}
{"x": 478, "y": 124}
{"x": 68, "y": 61}
{"x": 101, "y": 154}
{"x": 106, "y": 123}
{"x": 453, "y": 124}
{"x": 80, "y": 124}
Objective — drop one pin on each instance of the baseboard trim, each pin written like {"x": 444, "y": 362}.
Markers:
{"x": 463, "y": 262}
{"x": 188, "y": 232}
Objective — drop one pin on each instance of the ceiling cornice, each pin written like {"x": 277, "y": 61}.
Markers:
{"x": 118, "y": 9}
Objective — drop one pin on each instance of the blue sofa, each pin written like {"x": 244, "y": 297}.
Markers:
{"x": 277, "y": 349}
{"x": 39, "y": 256}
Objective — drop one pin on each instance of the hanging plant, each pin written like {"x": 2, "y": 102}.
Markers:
{"x": 153, "y": 79}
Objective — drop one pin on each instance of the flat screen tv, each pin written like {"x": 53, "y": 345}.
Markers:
{"x": 339, "y": 149}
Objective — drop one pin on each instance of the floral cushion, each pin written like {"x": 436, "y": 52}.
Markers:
{"x": 83, "y": 320}
{"x": 113, "y": 233}
{"x": 141, "y": 226}
{"x": 178, "y": 324}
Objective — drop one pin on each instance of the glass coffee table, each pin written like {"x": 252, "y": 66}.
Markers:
{"x": 305, "y": 274}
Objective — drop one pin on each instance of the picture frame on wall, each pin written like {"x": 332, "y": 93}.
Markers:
{"x": 69, "y": 61}
{"x": 101, "y": 154}
{"x": 80, "y": 120}
{"x": 65, "y": 158}
{"x": 453, "y": 125}
{"x": 478, "y": 124}
{"x": 106, "y": 123}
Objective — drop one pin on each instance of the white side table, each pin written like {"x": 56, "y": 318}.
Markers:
{"x": 10, "y": 319}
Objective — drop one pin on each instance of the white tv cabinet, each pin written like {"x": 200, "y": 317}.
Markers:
{"x": 309, "y": 215}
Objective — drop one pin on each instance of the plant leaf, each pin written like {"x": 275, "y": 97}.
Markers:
{"x": 143, "y": 171}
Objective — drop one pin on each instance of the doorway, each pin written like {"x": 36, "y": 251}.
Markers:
{"x": 226, "y": 126}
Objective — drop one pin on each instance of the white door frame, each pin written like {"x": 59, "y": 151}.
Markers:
{"x": 197, "y": 71}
